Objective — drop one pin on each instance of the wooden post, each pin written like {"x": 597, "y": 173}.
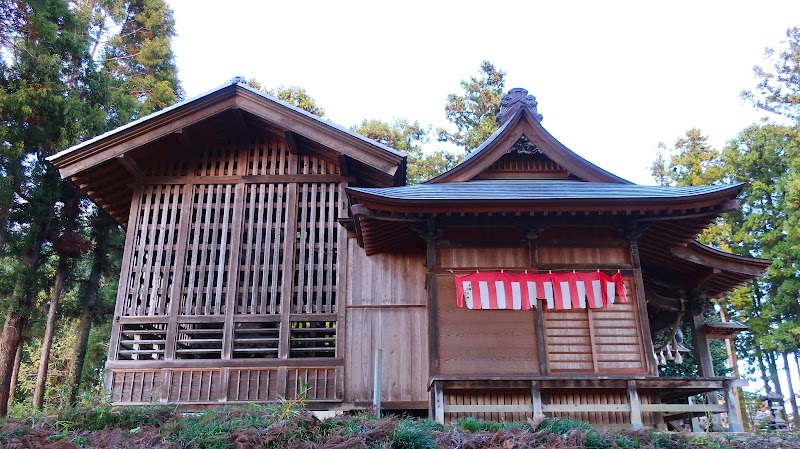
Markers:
{"x": 702, "y": 351}
{"x": 438, "y": 402}
{"x": 636, "y": 410}
{"x": 734, "y": 420}
{"x": 734, "y": 362}
{"x": 377, "y": 375}
{"x": 536, "y": 400}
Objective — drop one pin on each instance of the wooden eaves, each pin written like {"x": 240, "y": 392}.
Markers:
{"x": 104, "y": 167}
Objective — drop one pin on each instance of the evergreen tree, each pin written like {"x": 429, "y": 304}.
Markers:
{"x": 409, "y": 138}
{"x": 141, "y": 62}
{"x": 473, "y": 111}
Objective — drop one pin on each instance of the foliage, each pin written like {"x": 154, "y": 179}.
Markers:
{"x": 56, "y": 89}
{"x": 408, "y": 435}
{"x": 140, "y": 60}
{"x": 102, "y": 415}
{"x": 294, "y": 95}
{"x": 299, "y": 97}
{"x": 408, "y": 137}
{"x": 778, "y": 88}
{"x": 473, "y": 111}
{"x": 719, "y": 356}
{"x": 765, "y": 157}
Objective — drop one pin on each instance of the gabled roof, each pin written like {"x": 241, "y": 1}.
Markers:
{"x": 233, "y": 95}
{"x": 105, "y": 167}
{"x": 518, "y": 118}
{"x": 522, "y": 174}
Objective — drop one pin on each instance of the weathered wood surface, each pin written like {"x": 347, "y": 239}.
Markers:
{"x": 475, "y": 342}
{"x": 386, "y": 310}
{"x": 234, "y": 264}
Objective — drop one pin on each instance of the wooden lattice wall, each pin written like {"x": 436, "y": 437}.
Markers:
{"x": 230, "y": 278}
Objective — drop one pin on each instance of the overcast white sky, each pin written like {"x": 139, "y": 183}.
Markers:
{"x": 613, "y": 79}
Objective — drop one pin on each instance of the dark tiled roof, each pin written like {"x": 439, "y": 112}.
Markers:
{"x": 233, "y": 82}
{"x": 526, "y": 190}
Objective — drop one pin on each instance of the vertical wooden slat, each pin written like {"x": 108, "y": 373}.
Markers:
{"x": 280, "y": 253}
{"x": 233, "y": 270}
{"x": 290, "y": 240}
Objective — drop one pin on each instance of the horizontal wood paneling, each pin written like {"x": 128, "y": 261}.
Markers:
{"x": 598, "y": 341}
{"x": 483, "y": 342}
{"x": 477, "y": 258}
{"x": 600, "y": 256}
{"x": 401, "y": 333}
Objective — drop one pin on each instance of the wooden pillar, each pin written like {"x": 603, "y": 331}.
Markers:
{"x": 430, "y": 233}
{"x": 702, "y": 350}
{"x": 636, "y": 408}
{"x": 632, "y": 234}
{"x": 731, "y": 401}
{"x": 533, "y": 251}
{"x": 438, "y": 402}
{"x": 536, "y": 400}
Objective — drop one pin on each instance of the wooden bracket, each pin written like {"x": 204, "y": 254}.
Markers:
{"x": 131, "y": 165}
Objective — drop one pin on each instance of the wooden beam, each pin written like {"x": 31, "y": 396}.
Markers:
{"x": 183, "y": 138}
{"x": 129, "y": 164}
{"x": 239, "y": 122}
{"x": 150, "y": 131}
{"x": 291, "y": 142}
{"x": 720, "y": 261}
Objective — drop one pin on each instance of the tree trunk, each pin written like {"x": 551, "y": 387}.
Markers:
{"x": 792, "y": 398}
{"x": 773, "y": 372}
{"x": 50, "y": 327}
{"x": 101, "y": 228}
{"x": 10, "y": 338}
{"x": 76, "y": 367}
{"x": 5, "y": 212}
{"x": 761, "y": 366}
{"x": 15, "y": 374}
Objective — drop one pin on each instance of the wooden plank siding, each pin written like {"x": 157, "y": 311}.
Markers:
{"x": 386, "y": 309}
{"x": 234, "y": 258}
{"x": 505, "y": 342}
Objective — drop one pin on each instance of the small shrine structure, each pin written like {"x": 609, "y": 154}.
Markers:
{"x": 270, "y": 253}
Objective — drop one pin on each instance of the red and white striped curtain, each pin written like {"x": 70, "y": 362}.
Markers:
{"x": 519, "y": 291}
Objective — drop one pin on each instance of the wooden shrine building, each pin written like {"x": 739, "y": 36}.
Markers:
{"x": 270, "y": 253}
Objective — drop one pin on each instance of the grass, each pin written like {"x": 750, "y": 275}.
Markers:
{"x": 285, "y": 425}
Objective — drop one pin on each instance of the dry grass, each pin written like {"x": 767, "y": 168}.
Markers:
{"x": 273, "y": 426}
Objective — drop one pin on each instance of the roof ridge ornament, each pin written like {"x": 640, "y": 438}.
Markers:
{"x": 238, "y": 80}
{"x": 517, "y": 98}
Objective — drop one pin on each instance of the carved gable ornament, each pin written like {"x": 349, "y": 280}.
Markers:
{"x": 515, "y": 99}
{"x": 523, "y": 145}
